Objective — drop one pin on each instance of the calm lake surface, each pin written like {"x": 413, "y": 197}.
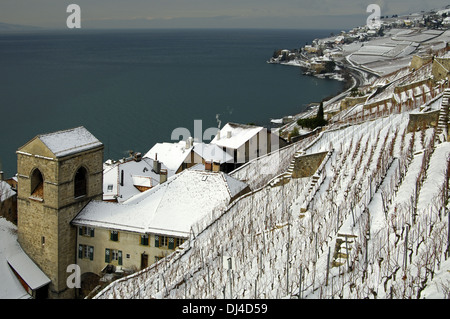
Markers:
{"x": 132, "y": 88}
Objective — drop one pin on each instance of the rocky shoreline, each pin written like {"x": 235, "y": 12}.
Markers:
{"x": 362, "y": 55}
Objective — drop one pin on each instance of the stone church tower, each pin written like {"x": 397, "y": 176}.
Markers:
{"x": 58, "y": 174}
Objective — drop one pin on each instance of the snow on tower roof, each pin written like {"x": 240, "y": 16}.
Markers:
{"x": 67, "y": 142}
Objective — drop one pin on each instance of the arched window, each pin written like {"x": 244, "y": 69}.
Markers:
{"x": 80, "y": 182}
{"x": 37, "y": 184}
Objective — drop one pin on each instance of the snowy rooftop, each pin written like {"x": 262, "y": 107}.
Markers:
{"x": 135, "y": 174}
{"x": 171, "y": 154}
{"x": 28, "y": 270}
{"x": 67, "y": 142}
{"x": 168, "y": 209}
{"x": 174, "y": 154}
{"x": 234, "y": 135}
{"x": 12, "y": 254}
{"x": 212, "y": 152}
{"x": 5, "y": 191}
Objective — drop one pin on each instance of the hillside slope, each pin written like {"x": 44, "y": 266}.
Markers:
{"x": 371, "y": 222}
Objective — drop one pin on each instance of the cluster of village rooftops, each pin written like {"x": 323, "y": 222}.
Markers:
{"x": 124, "y": 215}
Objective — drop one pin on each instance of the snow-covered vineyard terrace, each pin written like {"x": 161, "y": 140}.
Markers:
{"x": 371, "y": 222}
{"x": 356, "y": 209}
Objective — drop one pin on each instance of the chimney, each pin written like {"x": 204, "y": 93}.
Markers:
{"x": 156, "y": 166}
{"x": 218, "y": 135}
{"x": 1, "y": 175}
{"x": 137, "y": 157}
{"x": 216, "y": 166}
{"x": 189, "y": 143}
{"x": 208, "y": 166}
{"x": 163, "y": 176}
{"x": 228, "y": 134}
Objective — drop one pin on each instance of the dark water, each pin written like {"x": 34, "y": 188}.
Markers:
{"x": 131, "y": 89}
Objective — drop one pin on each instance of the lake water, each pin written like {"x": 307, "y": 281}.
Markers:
{"x": 132, "y": 88}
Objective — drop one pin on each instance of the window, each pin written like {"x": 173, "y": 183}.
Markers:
{"x": 114, "y": 235}
{"x": 169, "y": 242}
{"x": 160, "y": 241}
{"x": 113, "y": 255}
{"x": 144, "y": 240}
{"x": 179, "y": 242}
{"x": 85, "y": 252}
{"x": 37, "y": 184}
{"x": 80, "y": 187}
{"x": 86, "y": 231}
{"x": 107, "y": 255}
{"x": 110, "y": 187}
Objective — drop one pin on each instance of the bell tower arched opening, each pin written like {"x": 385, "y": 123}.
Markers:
{"x": 37, "y": 184}
{"x": 80, "y": 182}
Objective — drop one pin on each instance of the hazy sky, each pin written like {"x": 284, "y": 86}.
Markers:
{"x": 206, "y": 13}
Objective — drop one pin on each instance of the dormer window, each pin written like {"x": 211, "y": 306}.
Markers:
{"x": 80, "y": 188}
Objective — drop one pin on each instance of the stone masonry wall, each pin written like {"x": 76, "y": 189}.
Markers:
{"x": 44, "y": 229}
{"x": 307, "y": 165}
{"x": 440, "y": 70}
{"x": 422, "y": 120}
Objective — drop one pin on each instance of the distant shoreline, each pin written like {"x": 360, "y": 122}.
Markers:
{"x": 350, "y": 84}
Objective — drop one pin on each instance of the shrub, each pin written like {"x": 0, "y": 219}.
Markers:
{"x": 314, "y": 122}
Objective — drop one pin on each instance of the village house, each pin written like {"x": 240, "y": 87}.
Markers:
{"x": 20, "y": 277}
{"x": 311, "y": 49}
{"x": 127, "y": 177}
{"x": 65, "y": 216}
{"x": 149, "y": 226}
{"x": 185, "y": 154}
{"x": 8, "y": 198}
{"x": 246, "y": 142}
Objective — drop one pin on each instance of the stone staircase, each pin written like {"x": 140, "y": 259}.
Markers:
{"x": 317, "y": 179}
{"x": 443, "y": 122}
{"x": 281, "y": 180}
{"x": 314, "y": 181}
{"x": 342, "y": 249}
{"x": 286, "y": 177}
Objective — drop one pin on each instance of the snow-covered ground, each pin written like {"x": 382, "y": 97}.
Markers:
{"x": 371, "y": 223}
{"x": 390, "y": 53}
